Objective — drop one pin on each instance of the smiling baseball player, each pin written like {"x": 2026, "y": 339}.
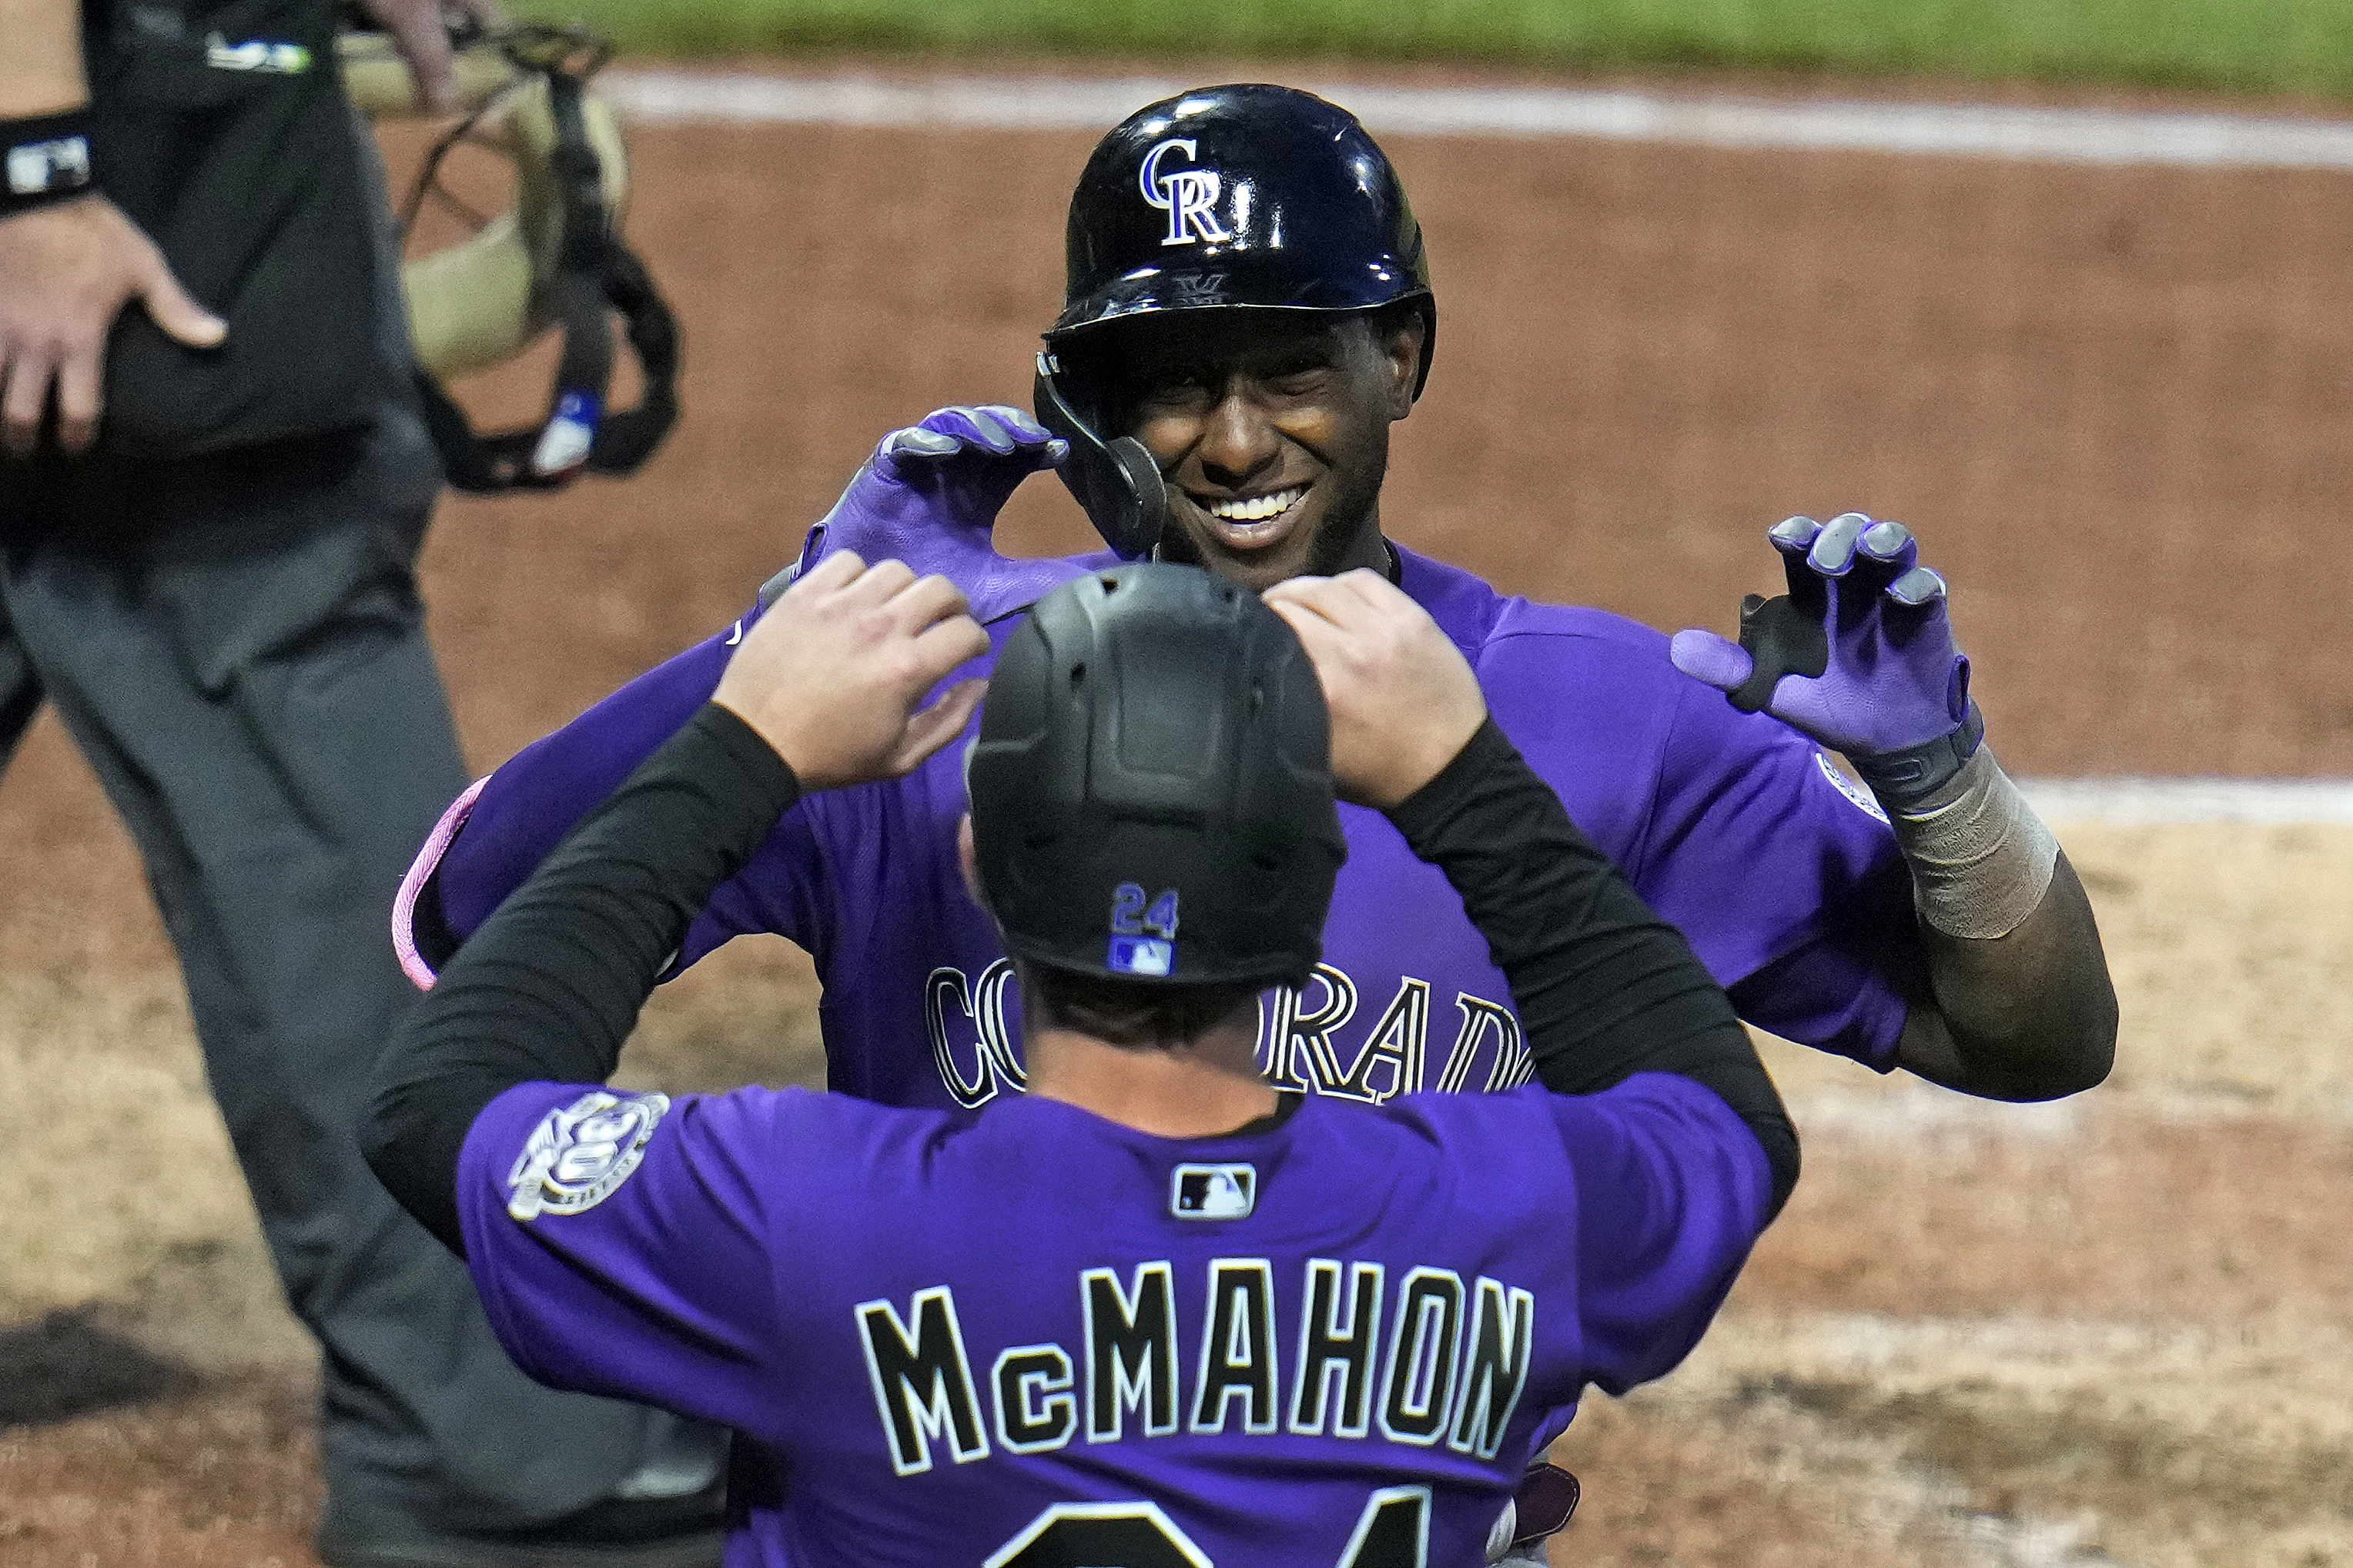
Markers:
{"x": 1249, "y": 311}
{"x": 1157, "y": 1312}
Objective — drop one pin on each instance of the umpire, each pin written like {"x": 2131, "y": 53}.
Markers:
{"x": 207, "y": 528}
{"x": 1155, "y": 1312}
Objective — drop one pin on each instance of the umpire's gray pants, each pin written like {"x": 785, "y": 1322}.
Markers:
{"x": 236, "y": 645}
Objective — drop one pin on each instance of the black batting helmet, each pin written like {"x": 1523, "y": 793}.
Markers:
{"x": 1247, "y": 198}
{"x": 1151, "y": 787}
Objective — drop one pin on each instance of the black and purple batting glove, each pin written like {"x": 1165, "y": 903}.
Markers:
{"x": 930, "y": 493}
{"x": 1859, "y": 655}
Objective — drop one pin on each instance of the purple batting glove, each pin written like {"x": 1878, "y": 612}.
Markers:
{"x": 1858, "y": 656}
{"x": 930, "y": 495}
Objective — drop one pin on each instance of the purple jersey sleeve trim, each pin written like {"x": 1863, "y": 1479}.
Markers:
{"x": 1695, "y": 1127}
{"x": 427, "y": 861}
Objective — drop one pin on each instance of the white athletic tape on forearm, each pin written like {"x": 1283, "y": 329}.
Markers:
{"x": 1981, "y": 860}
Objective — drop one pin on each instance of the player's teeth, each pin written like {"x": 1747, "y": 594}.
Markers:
{"x": 1257, "y": 508}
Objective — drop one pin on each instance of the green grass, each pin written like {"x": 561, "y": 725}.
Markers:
{"x": 2297, "y": 47}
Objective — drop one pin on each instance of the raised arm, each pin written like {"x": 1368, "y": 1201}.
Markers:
{"x": 822, "y": 694}
{"x": 496, "y": 834}
{"x": 1858, "y": 656}
{"x": 916, "y": 498}
{"x": 1604, "y": 988}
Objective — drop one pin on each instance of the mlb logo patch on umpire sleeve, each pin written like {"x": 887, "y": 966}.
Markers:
{"x": 1212, "y": 1192}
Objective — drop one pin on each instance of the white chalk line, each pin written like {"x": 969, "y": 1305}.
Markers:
{"x": 1964, "y": 131}
{"x": 2155, "y": 801}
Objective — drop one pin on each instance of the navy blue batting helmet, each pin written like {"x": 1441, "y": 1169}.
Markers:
{"x": 1247, "y": 198}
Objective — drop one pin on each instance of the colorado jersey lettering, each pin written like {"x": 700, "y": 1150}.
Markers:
{"x": 1309, "y": 1039}
{"x": 1438, "y": 1276}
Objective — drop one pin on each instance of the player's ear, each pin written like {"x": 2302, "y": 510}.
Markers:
{"x": 1399, "y": 334}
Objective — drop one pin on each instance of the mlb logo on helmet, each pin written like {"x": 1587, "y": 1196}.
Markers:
{"x": 1212, "y": 1192}
{"x": 1140, "y": 955}
{"x": 1142, "y": 940}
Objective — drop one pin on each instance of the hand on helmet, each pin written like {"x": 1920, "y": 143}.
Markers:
{"x": 833, "y": 676}
{"x": 1403, "y": 699}
{"x": 981, "y": 454}
{"x": 1858, "y": 656}
{"x": 930, "y": 493}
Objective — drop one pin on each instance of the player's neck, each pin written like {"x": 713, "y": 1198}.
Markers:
{"x": 1208, "y": 1086}
{"x": 1369, "y": 549}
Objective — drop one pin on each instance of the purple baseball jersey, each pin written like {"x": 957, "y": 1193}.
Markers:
{"x": 1783, "y": 875}
{"x": 1030, "y": 1335}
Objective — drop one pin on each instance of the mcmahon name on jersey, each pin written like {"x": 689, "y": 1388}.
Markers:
{"x": 1421, "y": 1359}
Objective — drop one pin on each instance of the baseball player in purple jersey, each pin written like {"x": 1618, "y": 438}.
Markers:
{"x": 1157, "y": 1312}
{"x": 1249, "y": 308}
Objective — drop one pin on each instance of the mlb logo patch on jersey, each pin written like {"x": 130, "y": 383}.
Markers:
{"x": 1212, "y": 1192}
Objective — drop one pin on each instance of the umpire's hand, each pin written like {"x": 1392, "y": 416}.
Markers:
{"x": 831, "y": 675}
{"x": 420, "y": 31}
{"x": 1404, "y": 702}
{"x": 66, "y": 272}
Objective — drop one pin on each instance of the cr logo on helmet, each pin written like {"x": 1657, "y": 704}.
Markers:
{"x": 1189, "y": 196}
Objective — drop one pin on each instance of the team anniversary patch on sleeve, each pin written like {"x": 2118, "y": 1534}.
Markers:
{"x": 580, "y": 1153}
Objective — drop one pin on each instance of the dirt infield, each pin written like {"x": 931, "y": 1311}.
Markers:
{"x": 2114, "y": 403}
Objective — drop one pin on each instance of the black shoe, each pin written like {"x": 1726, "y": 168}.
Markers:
{"x": 658, "y": 1532}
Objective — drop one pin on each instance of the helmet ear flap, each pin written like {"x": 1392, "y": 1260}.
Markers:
{"x": 1115, "y": 482}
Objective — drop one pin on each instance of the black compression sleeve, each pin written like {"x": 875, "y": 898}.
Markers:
{"x": 1604, "y": 987}
{"x": 552, "y": 983}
